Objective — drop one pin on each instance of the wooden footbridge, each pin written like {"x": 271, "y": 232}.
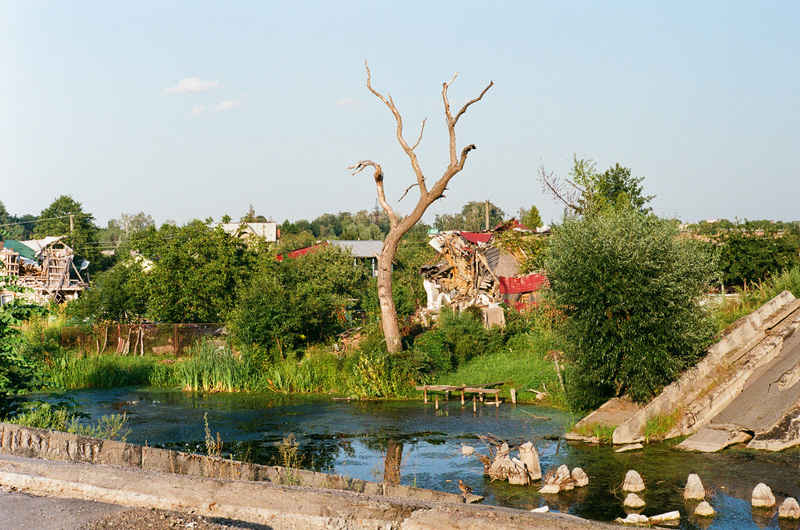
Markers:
{"x": 479, "y": 391}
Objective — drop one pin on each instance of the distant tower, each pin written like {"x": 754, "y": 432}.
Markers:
{"x": 376, "y": 213}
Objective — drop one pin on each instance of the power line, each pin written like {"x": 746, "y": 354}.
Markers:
{"x": 37, "y": 220}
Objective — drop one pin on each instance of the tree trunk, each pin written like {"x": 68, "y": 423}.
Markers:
{"x": 391, "y": 329}
{"x": 398, "y": 227}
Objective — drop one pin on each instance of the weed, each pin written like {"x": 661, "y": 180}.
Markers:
{"x": 59, "y": 418}
{"x": 603, "y": 433}
{"x": 657, "y": 427}
{"x": 289, "y": 457}
{"x": 213, "y": 447}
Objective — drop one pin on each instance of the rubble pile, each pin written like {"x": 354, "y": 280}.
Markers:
{"x": 474, "y": 269}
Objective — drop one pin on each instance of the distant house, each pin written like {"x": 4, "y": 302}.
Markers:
{"x": 267, "y": 231}
{"x": 44, "y": 267}
{"x": 367, "y": 250}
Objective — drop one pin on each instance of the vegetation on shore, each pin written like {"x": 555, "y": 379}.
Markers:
{"x": 285, "y": 318}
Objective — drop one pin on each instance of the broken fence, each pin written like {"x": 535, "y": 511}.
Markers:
{"x": 140, "y": 339}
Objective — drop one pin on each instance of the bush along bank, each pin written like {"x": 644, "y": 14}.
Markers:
{"x": 458, "y": 349}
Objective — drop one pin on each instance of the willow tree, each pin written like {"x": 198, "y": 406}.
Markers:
{"x": 397, "y": 226}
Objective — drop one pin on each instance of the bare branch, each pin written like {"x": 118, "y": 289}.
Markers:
{"x": 408, "y": 149}
{"x": 378, "y": 176}
{"x": 420, "y": 134}
{"x": 468, "y": 103}
{"x": 555, "y": 186}
{"x": 406, "y": 192}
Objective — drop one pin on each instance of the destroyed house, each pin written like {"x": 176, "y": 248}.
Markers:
{"x": 45, "y": 268}
{"x": 474, "y": 269}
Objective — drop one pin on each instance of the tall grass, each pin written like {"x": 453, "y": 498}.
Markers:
{"x": 216, "y": 369}
{"x": 73, "y": 370}
{"x": 751, "y": 299}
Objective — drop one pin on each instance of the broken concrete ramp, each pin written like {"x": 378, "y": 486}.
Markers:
{"x": 713, "y": 438}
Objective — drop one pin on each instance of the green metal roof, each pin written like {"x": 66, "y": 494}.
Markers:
{"x": 24, "y": 250}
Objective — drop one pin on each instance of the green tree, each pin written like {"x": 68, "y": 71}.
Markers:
{"x": 530, "y": 217}
{"x": 18, "y": 374}
{"x": 749, "y": 254}
{"x": 297, "y": 301}
{"x": 195, "y": 271}
{"x": 65, "y": 217}
{"x": 588, "y": 191}
{"x": 119, "y": 294}
{"x": 629, "y": 288}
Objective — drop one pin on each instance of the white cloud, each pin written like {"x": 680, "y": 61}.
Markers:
{"x": 191, "y": 85}
{"x": 198, "y": 110}
{"x": 350, "y": 103}
{"x": 226, "y": 105}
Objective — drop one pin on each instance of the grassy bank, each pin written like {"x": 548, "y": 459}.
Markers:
{"x": 458, "y": 351}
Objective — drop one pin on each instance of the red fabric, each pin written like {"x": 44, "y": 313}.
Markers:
{"x": 476, "y": 237}
{"x": 528, "y": 284}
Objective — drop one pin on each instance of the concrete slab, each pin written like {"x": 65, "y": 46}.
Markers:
{"x": 712, "y": 439}
{"x": 279, "y": 507}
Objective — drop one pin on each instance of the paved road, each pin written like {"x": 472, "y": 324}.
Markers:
{"x": 19, "y": 511}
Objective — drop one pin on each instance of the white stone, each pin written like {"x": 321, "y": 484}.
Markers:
{"x": 694, "y": 489}
{"x": 629, "y": 447}
{"x": 580, "y": 477}
{"x": 633, "y": 518}
{"x": 789, "y": 509}
{"x": 517, "y": 474}
{"x": 704, "y": 510}
{"x": 541, "y": 509}
{"x": 633, "y": 501}
{"x": 467, "y": 450}
{"x": 550, "y": 488}
{"x": 529, "y": 455}
{"x": 762, "y": 497}
{"x": 633, "y": 482}
{"x": 669, "y": 516}
{"x": 562, "y": 473}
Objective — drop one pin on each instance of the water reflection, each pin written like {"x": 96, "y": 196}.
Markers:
{"x": 414, "y": 444}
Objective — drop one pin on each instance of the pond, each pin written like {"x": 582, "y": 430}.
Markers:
{"x": 352, "y": 439}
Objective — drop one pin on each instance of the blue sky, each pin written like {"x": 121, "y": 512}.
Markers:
{"x": 198, "y": 109}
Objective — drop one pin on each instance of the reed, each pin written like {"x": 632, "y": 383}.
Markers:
{"x": 71, "y": 370}
{"x": 211, "y": 368}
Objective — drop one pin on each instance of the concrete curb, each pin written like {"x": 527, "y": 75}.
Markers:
{"x": 280, "y": 507}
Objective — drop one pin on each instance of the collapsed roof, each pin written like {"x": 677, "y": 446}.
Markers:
{"x": 44, "y": 267}
{"x": 474, "y": 269}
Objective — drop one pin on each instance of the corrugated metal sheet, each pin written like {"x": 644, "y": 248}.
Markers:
{"x": 528, "y": 284}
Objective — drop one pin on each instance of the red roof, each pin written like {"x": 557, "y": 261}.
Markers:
{"x": 476, "y": 237}
{"x": 299, "y": 252}
{"x": 528, "y": 284}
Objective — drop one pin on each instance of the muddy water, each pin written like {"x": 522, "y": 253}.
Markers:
{"x": 420, "y": 446}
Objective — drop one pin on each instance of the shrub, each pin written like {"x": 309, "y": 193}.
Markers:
{"x": 630, "y": 289}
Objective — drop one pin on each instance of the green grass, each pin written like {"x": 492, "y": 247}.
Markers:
{"x": 47, "y": 416}
{"x": 522, "y": 364}
{"x": 73, "y": 370}
{"x": 756, "y": 296}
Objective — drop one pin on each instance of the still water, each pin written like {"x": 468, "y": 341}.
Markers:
{"x": 352, "y": 438}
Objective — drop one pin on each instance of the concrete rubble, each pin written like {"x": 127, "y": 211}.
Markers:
{"x": 745, "y": 390}
{"x": 477, "y": 269}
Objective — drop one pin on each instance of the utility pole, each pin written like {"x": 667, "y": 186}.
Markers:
{"x": 487, "y": 215}
{"x": 71, "y": 223}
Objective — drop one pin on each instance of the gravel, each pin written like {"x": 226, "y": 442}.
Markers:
{"x": 152, "y": 519}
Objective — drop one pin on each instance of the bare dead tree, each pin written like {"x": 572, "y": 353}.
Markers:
{"x": 399, "y": 227}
